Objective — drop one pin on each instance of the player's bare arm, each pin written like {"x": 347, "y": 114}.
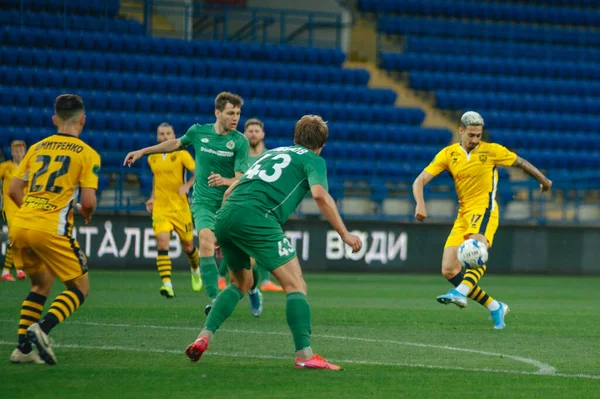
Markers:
{"x": 417, "y": 187}
{"x": 230, "y": 189}
{"x": 16, "y": 191}
{"x": 87, "y": 207}
{"x": 527, "y": 167}
{"x": 329, "y": 209}
{"x": 216, "y": 180}
{"x": 166, "y": 146}
{"x": 188, "y": 184}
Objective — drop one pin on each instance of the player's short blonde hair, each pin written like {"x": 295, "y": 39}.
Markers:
{"x": 311, "y": 132}
{"x": 471, "y": 118}
{"x": 254, "y": 121}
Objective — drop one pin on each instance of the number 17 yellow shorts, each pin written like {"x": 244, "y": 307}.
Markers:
{"x": 474, "y": 221}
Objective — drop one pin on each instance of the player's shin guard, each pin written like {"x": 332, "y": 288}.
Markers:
{"x": 64, "y": 305}
{"x": 297, "y": 312}
{"x": 477, "y": 293}
{"x": 163, "y": 263}
{"x": 193, "y": 259}
{"x": 210, "y": 275}
{"x": 31, "y": 311}
{"x": 223, "y": 307}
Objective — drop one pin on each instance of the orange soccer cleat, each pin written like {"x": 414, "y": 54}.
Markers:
{"x": 195, "y": 350}
{"x": 270, "y": 287}
{"x": 21, "y": 275}
{"x": 315, "y": 362}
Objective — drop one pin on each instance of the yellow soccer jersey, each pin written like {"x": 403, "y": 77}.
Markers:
{"x": 168, "y": 170}
{"x": 55, "y": 169}
{"x": 7, "y": 172}
{"x": 475, "y": 174}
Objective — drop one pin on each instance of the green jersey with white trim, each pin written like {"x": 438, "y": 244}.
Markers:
{"x": 276, "y": 183}
{"x": 222, "y": 154}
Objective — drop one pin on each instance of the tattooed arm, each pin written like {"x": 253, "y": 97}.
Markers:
{"x": 527, "y": 167}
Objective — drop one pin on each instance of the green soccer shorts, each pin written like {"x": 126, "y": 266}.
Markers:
{"x": 243, "y": 233}
{"x": 204, "y": 214}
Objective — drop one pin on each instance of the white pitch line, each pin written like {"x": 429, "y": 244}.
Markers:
{"x": 543, "y": 368}
{"x": 289, "y": 358}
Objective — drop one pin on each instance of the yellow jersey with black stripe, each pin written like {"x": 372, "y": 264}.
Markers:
{"x": 475, "y": 173}
{"x": 55, "y": 169}
{"x": 169, "y": 171}
{"x": 7, "y": 172}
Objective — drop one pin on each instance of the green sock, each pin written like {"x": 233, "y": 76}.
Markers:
{"x": 255, "y": 276}
{"x": 223, "y": 307}
{"x": 223, "y": 268}
{"x": 264, "y": 273}
{"x": 297, "y": 312}
{"x": 210, "y": 275}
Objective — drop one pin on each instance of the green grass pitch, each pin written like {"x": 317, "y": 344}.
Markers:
{"x": 387, "y": 331}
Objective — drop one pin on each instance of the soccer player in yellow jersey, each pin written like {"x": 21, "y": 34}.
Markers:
{"x": 7, "y": 171}
{"x": 472, "y": 164}
{"x": 171, "y": 210}
{"x": 56, "y": 171}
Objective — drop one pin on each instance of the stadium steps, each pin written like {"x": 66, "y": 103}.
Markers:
{"x": 134, "y": 9}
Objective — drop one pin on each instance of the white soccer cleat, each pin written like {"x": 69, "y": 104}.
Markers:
{"x": 42, "y": 342}
{"x": 19, "y": 357}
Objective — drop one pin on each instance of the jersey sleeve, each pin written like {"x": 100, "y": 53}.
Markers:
{"x": 23, "y": 170}
{"x": 439, "y": 164}
{"x": 504, "y": 156}
{"x": 2, "y": 170}
{"x": 241, "y": 156}
{"x": 187, "y": 138}
{"x": 316, "y": 172}
{"x": 91, "y": 170}
{"x": 188, "y": 161}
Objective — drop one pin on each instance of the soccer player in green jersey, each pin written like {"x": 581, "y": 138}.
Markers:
{"x": 221, "y": 158}
{"x": 255, "y": 133}
{"x": 250, "y": 224}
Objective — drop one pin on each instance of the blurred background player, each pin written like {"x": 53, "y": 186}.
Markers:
{"x": 472, "y": 163}
{"x": 250, "y": 225}
{"x": 221, "y": 158}
{"x": 254, "y": 132}
{"x": 7, "y": 171}
{"x": 171, "y": 210}
{"x": 56, "y": 170}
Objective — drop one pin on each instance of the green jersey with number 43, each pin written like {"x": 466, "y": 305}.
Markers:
{"x": 278, "y": 181}
{"x": 217, "y": 153}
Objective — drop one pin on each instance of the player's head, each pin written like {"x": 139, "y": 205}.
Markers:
{"x": 164, "y": 132}
{"x": 471, "y": 129}
{"x": 311, "y": 132}
{"x": 17, "y": 150}
{"x": 228, "y": 107}
{"x": 69, "y": 114}
{"x": 254, "y": 131}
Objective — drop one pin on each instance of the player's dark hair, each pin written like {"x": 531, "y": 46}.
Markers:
{"x": 67, "y": 106}
{"x": 311, "y": 132}
{"x": 226, "y": 97}
{"x": 254, "y": 121}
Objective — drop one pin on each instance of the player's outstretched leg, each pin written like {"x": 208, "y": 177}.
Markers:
{"x": 163, "y": 264}
{"x": 222, "y": 308}
{"x": 297, "y": 311}
{"x": 8, "y": 264}
{"x": 31, "y": 312}
{"x": 191, "y": 252}
{"x": 208, "y": 265}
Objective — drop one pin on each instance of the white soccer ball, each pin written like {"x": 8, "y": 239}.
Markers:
{"x": 472, "y": 254}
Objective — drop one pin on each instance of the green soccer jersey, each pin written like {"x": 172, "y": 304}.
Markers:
{"x": 278, "y": 181}
{"x": 220, "y": 154}
{"x": 252, "y": 159}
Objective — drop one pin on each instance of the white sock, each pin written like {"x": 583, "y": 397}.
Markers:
{"x": 168, "y": 284}
{"x": 196, "y": 270}
{"x": 494, "y": 305}
{"x": 5, "y": 272}
{"x": 254, "y": 291}
{"x": 463, "y": 289}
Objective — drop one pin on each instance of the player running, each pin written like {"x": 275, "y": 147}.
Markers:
{"x": 170, "y": 209}
{"x": 472, "y": 163}
{"x": 55, "y": 170}
{"x": 7, "y": 172}
{"x": 254, "y": 132}
{"x": 250, "y": 224}
{"x": 221, "y": 158}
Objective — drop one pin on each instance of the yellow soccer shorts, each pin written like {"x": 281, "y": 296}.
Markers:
{"x": 473, "y": 221}
{"x": 178, "y": 221}
{"x": 34, "y": 251}
{"x": 7, "y": 216}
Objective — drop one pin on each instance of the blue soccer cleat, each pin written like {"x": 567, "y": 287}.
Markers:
{"x": 256, "y": 306}
{"x": 498, "y": 316}
{"x": 454, "y": 297}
